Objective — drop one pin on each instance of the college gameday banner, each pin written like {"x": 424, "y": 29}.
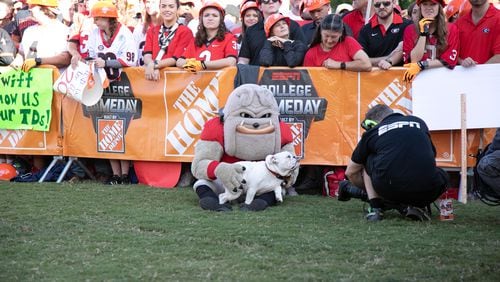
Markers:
{"x": 27, "y": 101}
{"x": 137, "y": 119}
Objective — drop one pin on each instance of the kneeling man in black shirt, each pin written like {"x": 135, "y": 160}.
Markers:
{"x": 394, "y": 162}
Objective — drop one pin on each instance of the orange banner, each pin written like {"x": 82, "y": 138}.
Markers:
{"x": 29, "y": 142}
{"x": 137, "y": 119}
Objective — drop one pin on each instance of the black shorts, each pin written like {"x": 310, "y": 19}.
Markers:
{"x": 410, "y": 195}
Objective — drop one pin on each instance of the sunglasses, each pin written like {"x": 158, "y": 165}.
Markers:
{"x": 268, "y": 1}
{"x": 368, "y": 124}
{"x": 385, "y": 3}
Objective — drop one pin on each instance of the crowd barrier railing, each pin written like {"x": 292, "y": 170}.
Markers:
{"x": 137, "y": 119}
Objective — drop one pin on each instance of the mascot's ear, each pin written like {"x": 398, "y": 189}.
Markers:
{"x": 221, "y": 115}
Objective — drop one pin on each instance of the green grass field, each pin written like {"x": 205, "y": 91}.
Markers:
{"x": 88, "y": 231}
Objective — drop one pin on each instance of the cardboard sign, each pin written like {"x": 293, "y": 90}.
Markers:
{"x": 25, "y": 99}
{"x": 436, "y": 96}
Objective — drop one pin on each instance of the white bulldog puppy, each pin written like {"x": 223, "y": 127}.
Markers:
{"x": 260, "y": 177}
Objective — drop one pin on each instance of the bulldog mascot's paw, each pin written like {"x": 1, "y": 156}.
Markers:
{"x": 262, "y": 177}
{"x": 247, "y": 130}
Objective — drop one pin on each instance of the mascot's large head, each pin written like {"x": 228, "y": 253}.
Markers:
{"x": 251, "y": 124}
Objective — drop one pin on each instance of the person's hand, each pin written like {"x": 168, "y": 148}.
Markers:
{"x": 193, "y": 65}
{"x": 100, "y": 63}
{"x": 424, "y": 26}
{"x": 74, "y": 60}
{"x": 17, "y": 63}
{"x": 330, "y": 63}
{"x": 384, "y": 65}
{"x": 231, "y": 175}
{"x": 412, "y": 70}
{"x": 187, "y": 18}
{"x": 468, "y": 62}
{"x": 28, "y": 64}
{"x": 151, "y": 73}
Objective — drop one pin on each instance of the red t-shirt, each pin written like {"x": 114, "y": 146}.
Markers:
{"x": 355, "y": 21}
{"x": 450, "y": 54}
{"x": 342, "y": 52}
{"x": 176, "y": 47}
{"x": 481, "y": 41}
{"x": 213, "y": 50}
{"x": 213, "y": 130}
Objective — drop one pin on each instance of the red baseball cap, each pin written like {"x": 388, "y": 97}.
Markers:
{"x": 440, "y": 2}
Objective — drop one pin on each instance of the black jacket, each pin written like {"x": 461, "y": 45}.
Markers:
{"x": 291, "y": 55}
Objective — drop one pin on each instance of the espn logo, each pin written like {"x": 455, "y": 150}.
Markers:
{"x": 110, "y": 135}
{"x": 297, "y": 129}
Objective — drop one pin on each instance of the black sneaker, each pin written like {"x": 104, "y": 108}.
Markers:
{"x": 374, "y": 214}
{"x": 114, "y": 180}
{"x": 417, "y": 214}
{"x": 212, "y": 204}
{"x": 255, "y": 205}
{"x": 401, "y": 208}
{"x": 125, "y": 179}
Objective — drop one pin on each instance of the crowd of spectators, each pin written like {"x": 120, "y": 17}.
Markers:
{"x": 195, "y": 35}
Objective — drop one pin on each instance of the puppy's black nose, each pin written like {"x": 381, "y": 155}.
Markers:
{"x": 256, "y": 125}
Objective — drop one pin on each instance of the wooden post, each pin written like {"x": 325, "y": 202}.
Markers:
{"x": 462, "y": 197}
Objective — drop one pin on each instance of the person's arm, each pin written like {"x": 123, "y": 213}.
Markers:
{"x": 417, "y": 53}
{"x": 74, "y": 53}
{"x": 244, "y": 55}
{"x": 151, "y": 71}
{"x": 60, "y": 60}
{"x": 494, "y": 60}
{"x": 180, "y": 62}
{"x": 266, "y": 55}
{"x": 294, "y": 53}
{"x": 360, "y": 62}
{"x": 221, "y": 63}
{"x": 354, "y": 172}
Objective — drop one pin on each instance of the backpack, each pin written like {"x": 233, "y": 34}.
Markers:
{"x": 479, "y": 188}
{"x": 331, "y": 178}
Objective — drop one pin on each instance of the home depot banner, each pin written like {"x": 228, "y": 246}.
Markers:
{"x": 137, "y": 119}
{"x": 30, "y": 100}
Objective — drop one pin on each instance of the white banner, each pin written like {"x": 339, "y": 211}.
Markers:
{"x": 436, "y": 96}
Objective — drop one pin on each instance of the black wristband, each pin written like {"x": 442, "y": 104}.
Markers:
{"x": 423, "y": 64}
{"x": 203, "y": 65}
{"x": 342, "y": 66}
{"x": 388, "y": 60}
{"x": 38, "y": 61}
{"x": 424, "y": 34}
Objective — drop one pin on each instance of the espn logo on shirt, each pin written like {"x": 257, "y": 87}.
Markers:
{"x": 110, "y": 135}
{"x": 297, "y": 129}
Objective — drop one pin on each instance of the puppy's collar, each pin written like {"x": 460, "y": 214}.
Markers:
{"x": 277, "y": 175}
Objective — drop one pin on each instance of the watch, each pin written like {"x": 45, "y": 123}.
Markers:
{"x": 38, "y": 61}
{"x": 155, "y": 64}
{"x": 342, "y": 66}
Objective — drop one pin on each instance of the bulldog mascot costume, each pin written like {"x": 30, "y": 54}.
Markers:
{"x": 248, "y": 130}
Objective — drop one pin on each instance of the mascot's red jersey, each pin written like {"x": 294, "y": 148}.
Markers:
{"x": 214, "y": 131}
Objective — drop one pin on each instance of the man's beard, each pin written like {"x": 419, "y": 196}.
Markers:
{"x": 386, "y": 16}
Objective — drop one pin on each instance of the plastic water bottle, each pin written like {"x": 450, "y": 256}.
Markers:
{"x": 446, "y": 208}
